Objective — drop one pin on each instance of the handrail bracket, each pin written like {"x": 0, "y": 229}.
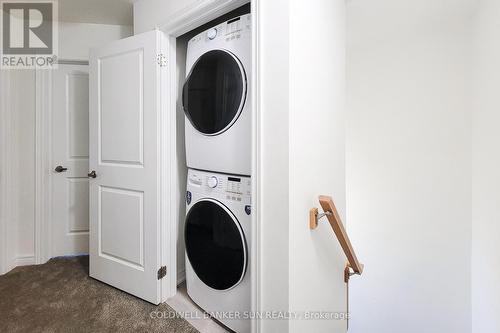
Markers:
{"x": 315, "y": 216}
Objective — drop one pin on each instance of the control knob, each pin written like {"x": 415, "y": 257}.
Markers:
{"x": 212, "y": 33}
{"x": 212, "y": 181}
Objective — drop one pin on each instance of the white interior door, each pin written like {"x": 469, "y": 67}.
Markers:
{"x": 125, "y": 208}
{"x": 70, "y": 160}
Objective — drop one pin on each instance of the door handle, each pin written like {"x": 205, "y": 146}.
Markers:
{"x": 92, "y": 174}
{"x": 60, "y": 168}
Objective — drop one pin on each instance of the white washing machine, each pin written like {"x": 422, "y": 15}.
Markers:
{"x": 216, "y": 98}
{"x": 217, "y": 236}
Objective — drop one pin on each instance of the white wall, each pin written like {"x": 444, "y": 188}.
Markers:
{"x": 485, "y": 173}
{"x": 408, "y": 165}
{"x": 18, "y": 170}
{"x": 4, "y": 86}
{"x": 8, "y": 234}
{"x": 75, "y": 41}
{"x": 316, "y": 159}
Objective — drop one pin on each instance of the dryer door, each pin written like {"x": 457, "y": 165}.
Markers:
{"x": 215, "y": 244}
{"x": 214, "y": 92}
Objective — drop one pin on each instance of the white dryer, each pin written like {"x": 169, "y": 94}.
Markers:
{"x": 216, "y": 98}
{"x": 217, "y": 236}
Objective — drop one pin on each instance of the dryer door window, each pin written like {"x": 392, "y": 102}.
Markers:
{"x": 215, "y": 245}
{"x": 214, "y": 92}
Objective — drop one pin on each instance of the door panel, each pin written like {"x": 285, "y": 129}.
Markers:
{"x": 69, "y": 141}
{"x": 122, "y": 232}
{"x": 124, "y": 144}
{"x": 122, "y": 141}
{"x": 78, "y": 205}
{"x": 78, "y": 104}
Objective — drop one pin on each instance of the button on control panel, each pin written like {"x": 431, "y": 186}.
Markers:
{"x": 238, "y": 188}
{"x": 195, "y": 179}
{"x": 234, "y": 185}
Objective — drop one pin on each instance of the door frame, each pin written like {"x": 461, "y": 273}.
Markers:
{"x": 43, "y": 160}
{"x": 43, "y": 157}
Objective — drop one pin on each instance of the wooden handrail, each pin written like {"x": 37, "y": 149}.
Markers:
{"x": 330, "y": 211}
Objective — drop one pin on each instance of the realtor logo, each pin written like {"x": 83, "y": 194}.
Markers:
{"x": 29, "y": 34}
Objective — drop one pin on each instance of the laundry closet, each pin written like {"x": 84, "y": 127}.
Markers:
{"x": 206, "y": 151}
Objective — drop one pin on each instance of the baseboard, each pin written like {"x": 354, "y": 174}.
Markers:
{"x": 24, "y": 261}
{"x": 8, "y": 265}
{"x": 5, "y": 268}
{"x": 181, "y": 276}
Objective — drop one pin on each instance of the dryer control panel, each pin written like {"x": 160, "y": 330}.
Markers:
{"x": 227, "y": 31}
{"x": 223, "y": 186}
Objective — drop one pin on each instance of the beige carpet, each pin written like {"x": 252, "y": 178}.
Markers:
{"x": 59, "y": 296}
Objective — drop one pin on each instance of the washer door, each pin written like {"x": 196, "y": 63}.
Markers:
{"x": 215, "y": 244}
{"x": 214, "y": 92}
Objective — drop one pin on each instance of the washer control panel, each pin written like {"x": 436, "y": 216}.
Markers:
{"x": 223, "y": 186}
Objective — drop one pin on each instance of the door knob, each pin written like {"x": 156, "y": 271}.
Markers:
{"x": 60, "y": 168}
{"x": 92, "y": 174}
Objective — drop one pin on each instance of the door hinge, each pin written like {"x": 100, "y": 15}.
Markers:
{"x": 162, "y": 272}
{"x": 161, "y": 59}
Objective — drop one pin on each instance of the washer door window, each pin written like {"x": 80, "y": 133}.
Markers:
{"x": 214, "y": 92}
{"x": 215, "y": 245}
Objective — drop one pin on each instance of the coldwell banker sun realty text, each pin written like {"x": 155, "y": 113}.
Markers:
{"x": 29, "y": 34}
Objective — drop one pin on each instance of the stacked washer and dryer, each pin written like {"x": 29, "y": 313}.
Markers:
{"x": 216, "y": 102}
